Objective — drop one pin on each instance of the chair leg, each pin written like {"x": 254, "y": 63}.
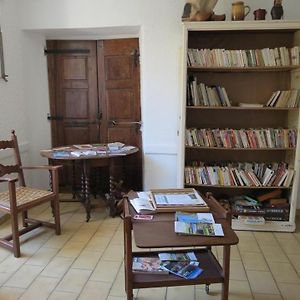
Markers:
{"x": 15, "y": 235}
{"x": 24, "y": 217}
{"x": 55, "y": 205}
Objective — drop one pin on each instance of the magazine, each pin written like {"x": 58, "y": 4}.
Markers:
{"x": 142, "y": 205}
{"x": 147, "y": 265}
{"x": 198, "y": 229}
{"x": 194, "y": 217}
{"x": 185, "y": 269}
{"x": 184, "y": 256}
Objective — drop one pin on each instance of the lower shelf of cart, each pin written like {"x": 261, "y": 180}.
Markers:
{"x": 212, "y": 272}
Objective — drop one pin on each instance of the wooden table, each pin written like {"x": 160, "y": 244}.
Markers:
{"x": 159, "y": 233}
{"x": 87, "y": 162}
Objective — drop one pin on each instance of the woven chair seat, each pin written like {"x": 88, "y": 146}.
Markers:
{"x": 24, "y": 195}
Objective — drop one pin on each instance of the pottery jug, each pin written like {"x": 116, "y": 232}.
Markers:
{"x": 239, "y": 11}
{"x": 260, "y": 14}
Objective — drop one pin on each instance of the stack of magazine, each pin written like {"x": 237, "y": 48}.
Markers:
{"x": 197, "y": 224}
{"x": 183, "y": 264}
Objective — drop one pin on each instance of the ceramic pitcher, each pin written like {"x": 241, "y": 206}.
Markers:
{"x": 239, "y": 11}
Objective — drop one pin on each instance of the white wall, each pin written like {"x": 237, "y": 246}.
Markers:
{"x": 157, "y": 24}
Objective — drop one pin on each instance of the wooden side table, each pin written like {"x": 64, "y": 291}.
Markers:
{"x": 159, "y": 233}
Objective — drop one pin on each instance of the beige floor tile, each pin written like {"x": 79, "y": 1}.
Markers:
{"x": 266, "y": 239}
{"x": 106, "y": 230}
{"x": 284, "y": 272}
{"x": 40, "y": 288}
{"x": 274, "y": 254}
{"x": 295, "y": 261}
{"x": 118, "y": 286}
{"x": 116, "y": 298}
{"x": 152, "y": 294}
{"x": 62, "y": 296}
{"x": 266, "y": 297}
{"x": 239, "y": 290}
{"x": 118, "y": 238}
{"x": 114, "y": 253}
{"x": 248, "y": 244}
{"x": 95, "y": 290}
{"x": 290, "y": 246}
{"x": 289, "y": 291}
{"x": 284, "y": 236}
{"x": 234, "y": 252}
{"x": 57, "y": 267}
{"x": 73, "y": 281}
{"x": 57, "y": 241}
{"x": 106, "y": 271}
{"x": 262, "y": 282}
{"x": 237, "y": 271}
{"x": 71, "y": 249}
{"x": 24, "y": 276}
{"x": 254, "y": 261}
{"x": 8, "y": 293}
{"x": 87, "y": 260}
{"x": 180, "y": 292}
{"x": 42, "y": 257}
{"x": 98, "y": 243}
{"x": 12, "y": 264}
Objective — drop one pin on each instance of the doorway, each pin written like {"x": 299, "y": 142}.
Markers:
{"x": 94, "y": 91}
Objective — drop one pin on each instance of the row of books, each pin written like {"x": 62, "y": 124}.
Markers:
{"x": 240, "y": 174}
{"x": 241, "y": 138}
{"x": 266, "y": 57}
{"x": 199, "y": 94}
{"x": 289, "y": 98}
{"x": 182, "y": 264}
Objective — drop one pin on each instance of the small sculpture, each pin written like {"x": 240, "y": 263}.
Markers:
{"x": 201, "y": 10}
{"x": 277, "y": 10}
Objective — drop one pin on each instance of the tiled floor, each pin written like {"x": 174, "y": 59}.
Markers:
{"x": 86, "y": 262}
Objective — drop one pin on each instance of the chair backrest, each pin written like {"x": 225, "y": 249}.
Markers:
{"x": 16, "y": 168}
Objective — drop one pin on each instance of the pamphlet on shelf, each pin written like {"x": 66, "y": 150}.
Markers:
{"x": 147, "y": 265}
{"x": 185, "y": 269}
{"x": 142, "y": 205}
{"x": 184, "y": 256}
{"x": 194, "y": 217}
{"x": 198, "y": 229}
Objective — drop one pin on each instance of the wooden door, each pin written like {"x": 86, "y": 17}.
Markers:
{"x": 119, "y": 92}
{"x": 95, "y": 96}
{"x": 74, "y": 108}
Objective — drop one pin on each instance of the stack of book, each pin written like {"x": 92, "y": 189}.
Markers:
{"x": 199, "y": 94}
{"x": 240, "y": 174}
{"x": 266, "y": 57}
{"x": 197, "y": 224}
{"x": 183, "y": 264}
{"x": 271, "y": 206}
{"x": 241, "y": 138}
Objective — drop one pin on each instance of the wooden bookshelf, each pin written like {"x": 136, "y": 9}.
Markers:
{"x": 253, "y": 85}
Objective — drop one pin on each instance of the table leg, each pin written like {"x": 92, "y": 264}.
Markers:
{"x": 86, "y": 189}
{"x": 226, "y": 267}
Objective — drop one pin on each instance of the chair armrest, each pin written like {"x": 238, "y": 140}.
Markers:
{"x": 7, "y": 179}
{"x": 48, "y": 167}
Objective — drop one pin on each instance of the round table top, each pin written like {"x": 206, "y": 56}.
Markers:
{"x": 81, "y": 152}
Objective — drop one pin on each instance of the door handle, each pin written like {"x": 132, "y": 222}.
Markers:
{"x": 54, "y": 118}
{"x": 115, "y": 123}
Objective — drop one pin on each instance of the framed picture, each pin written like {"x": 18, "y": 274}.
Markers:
{"x": 2, "y": 69}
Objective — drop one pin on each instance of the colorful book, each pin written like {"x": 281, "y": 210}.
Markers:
{"x": 198, "y": 229}
{"x": 194, "y": 217}
{"x": 185, "y": 269}
{"x": 147, "y": 265}
{"x": 184, "y": 256}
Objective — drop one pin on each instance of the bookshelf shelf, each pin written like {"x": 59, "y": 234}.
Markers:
{"x": 240, "y": 149}
{"x": 237, "y": 108}
{"x": 252, "y": 86}
{"x": 238, "y": 187}
{"x": 242, "y": 69}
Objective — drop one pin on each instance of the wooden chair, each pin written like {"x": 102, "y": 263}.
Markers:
{"x": 20, "y": 198}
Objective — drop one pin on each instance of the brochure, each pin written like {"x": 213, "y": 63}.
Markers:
{"x": 147, "y": 265}
{"x": 194, "y": 217}
{"x": 185, "y": 269}
{"x": 198, "y": 229}
{"x": 184, "y": 256}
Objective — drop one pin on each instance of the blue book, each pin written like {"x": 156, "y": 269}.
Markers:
{"x": 184, "y": 269}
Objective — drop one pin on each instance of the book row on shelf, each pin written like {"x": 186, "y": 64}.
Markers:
{"x": 289, "y": 98}
{"x": 239, "y": 174}
{"x": 266, "y": 57}
{"x": 241, "y": 138}
{"x": 203, "y": 95}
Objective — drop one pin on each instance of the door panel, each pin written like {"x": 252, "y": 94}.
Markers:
{"x": 120, "y": 99}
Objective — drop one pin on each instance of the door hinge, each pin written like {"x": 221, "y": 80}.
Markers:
{"x": 136, "y": 57}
